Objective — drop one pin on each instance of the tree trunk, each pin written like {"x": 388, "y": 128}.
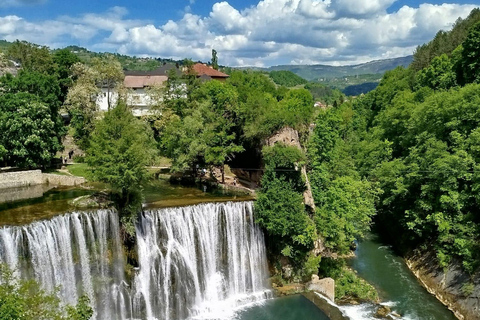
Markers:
{"x": 223, "y": 173}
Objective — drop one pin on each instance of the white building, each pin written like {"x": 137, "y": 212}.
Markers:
{"x": 136, "y": 84}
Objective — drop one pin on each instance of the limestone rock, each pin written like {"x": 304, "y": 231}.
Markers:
{"x": 325, "y": 286}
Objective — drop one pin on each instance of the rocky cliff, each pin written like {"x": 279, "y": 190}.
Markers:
{"x": 453, "y": 287}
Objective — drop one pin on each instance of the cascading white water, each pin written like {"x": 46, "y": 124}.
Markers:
{"x": 80, "y": 253}
{"x": 194, "y": 262}
{"x": 199, "y": 261}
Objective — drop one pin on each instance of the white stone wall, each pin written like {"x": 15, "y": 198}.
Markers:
{"x": 20, "y": 179}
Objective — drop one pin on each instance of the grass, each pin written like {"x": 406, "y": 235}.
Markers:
{"x": 55, "y": 171}
{"x": 80, "y": 170}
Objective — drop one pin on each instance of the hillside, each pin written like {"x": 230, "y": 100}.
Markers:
{"x": 319, "y": 71}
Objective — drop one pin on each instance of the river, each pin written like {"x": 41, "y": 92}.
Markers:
{"x": 397, "y": 286}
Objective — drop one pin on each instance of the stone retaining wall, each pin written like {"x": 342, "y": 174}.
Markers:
{"x": 60, "y": 180}
{"x": 20, "y": 179}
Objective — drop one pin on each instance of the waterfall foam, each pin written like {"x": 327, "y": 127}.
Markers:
{"x": 199, "y": 261}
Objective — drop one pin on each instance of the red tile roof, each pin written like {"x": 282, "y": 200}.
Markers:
{"x": 202, "y": 69}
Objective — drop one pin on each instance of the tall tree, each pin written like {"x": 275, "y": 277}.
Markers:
{"x": 471, "y": 55}
{"x": 214, "y": 59}
{"x": 121, "y": 146}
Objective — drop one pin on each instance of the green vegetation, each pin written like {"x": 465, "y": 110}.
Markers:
{"x": 286, "y": 78}
{"x": 80, "y": 170}
{"x": 25, "y": 300}
{"x": 280, "y": 209}
{"x": 30, "y": 102}
{"x": 120, "y": 148}
{"x": 407, "y": 151}
{"x": 444, "y": 42}
{"x": 325, "y": 94}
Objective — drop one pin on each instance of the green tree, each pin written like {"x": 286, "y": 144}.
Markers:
{"x": 29, "y": 132}
{"x": 286, "y": 78}
{"x": 120, "y": 148}
{"x": 81, "y": 103}
{"x": 214, "y": 59}
{"x": 439, "y": 74}
{"x": 471, "y": 55}
{"x": 64, "y": 60}
{"x": 109, "y": 75}
{"x": 279, "y": 207}
{"x": 31, "y": 57}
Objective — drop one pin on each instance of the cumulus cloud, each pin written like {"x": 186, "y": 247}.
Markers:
{"x": 271, "y": 32}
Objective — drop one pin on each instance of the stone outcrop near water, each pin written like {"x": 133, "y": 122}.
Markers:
{"x": 453, "y": 286}
{"x": 197, "y": 261}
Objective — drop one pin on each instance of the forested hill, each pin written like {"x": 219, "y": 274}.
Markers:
{"x": 319, "y": 71}
{"x": 416, "y": 140}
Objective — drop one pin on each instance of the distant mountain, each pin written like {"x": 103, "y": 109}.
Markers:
{"x": 319, "y": 72}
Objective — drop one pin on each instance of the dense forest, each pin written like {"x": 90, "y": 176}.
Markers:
{"x": 411, "y": 148}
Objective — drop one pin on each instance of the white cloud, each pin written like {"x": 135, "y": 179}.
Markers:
{"x": 272, "y": 32}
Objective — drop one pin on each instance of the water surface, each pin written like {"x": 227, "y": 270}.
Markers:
{"x": 381, "y": 267}
{"x": 285, "y": 308}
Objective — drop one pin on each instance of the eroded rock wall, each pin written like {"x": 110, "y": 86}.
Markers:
{"x": 453, "y": 287}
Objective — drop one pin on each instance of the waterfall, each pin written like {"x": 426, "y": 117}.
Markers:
{"x": 196, "y": 262}
{"x": 80, "y": 253}
{"x": 199, "y": 261}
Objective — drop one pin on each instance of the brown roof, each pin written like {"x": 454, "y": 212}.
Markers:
{"x": 136, "y": 82}
{"x": 202, "y": 69}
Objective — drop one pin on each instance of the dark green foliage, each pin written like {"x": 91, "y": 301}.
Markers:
{"x": 358, "y": 89}
{"x": 345, "y": 203}
{"x": 286, "y": 78}
{"x": 440, "y": 74}
{"x": 323, "y": 93}
{"x": 279, "y": 207}
{"x": 419, "y": 145}
{"x": 64, "y": 60}
{"x": 120, "y": 148}
{"x": 30, "y": 136}
{"x": 214, "y": 59}
{"x": 444, "y": 42}
{"x": 471, "y": 55}
{"x": 31, "y": 57}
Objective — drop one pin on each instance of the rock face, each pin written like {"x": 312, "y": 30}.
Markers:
{"x": 453, "y": 287}
{"x": 325, "y": 286}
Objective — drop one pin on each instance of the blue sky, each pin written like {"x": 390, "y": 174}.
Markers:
{"x": 244, "y": 32}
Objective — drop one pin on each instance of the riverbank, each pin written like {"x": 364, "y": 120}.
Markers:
{"x": 452, "y": 286}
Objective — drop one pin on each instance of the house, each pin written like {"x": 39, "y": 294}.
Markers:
{"x": 206, "y": 73}
{"x": 138, "y": 82}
